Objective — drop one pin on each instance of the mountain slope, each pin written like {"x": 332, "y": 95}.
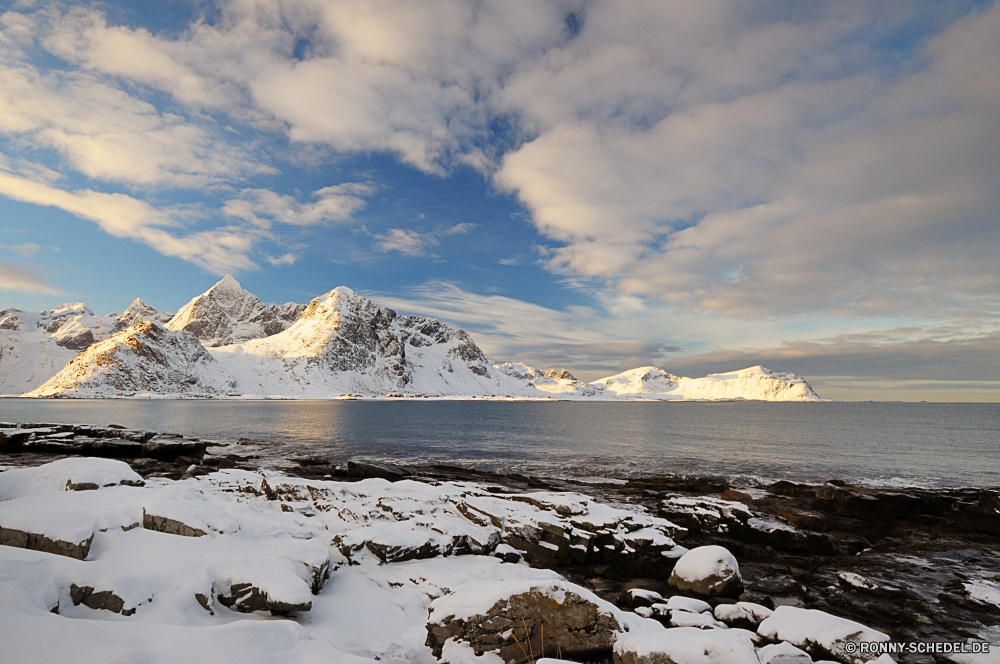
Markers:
{"x": 145, "y": 357}
{"x": 345, "y": 343}
{"x": 227, "y": 314}
{"x": 753, "y": 383}
{"x": 550, "y": 382}
{"x": 34, "y": 346}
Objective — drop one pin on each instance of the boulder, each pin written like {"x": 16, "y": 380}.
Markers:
{"x": 783, "y": 653}
{"x": 634, "y": 598}
{"x": 820, "y": 634}
{"x": 685, "y": 645}
{"x": 735, "y": 616}
{"x": 522, "y": 621}
{"x": 707, "y": 571}
{"x": 247, "y": 598}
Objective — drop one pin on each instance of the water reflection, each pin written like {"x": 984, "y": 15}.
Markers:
{"x": 933, "y": 444}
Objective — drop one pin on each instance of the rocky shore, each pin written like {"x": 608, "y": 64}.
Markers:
{"x": 467, "y": 566}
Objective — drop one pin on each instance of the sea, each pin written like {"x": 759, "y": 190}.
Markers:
{"x": 748, "y": 443}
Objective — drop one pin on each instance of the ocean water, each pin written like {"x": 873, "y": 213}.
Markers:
{"x": 884, "y": 444}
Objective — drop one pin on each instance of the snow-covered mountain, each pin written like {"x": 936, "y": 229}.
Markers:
{"x": 139, "y": 311}
{"x": 755, "y": 383}
{"x": 227, "y": 341}
{"x": 344, "y": 343}
{"x": 227, "y": 314}
{"x": 34, "y": 346}
{"x": 144, "y": 357}
{"x": 551, "y": 382}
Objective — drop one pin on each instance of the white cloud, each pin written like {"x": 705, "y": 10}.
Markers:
{"x": 284, "y": 259}
{"x": 13, "y": 278}
{"x": 218, "y": 250}
{"x": 334, "y": 203}
{"x": 26, "y": 250}
{"x": 405, "y": 241}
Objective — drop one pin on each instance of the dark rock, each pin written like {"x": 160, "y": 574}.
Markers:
{"x": 367, "y": 469}
{"x": 634, "y": 598}
{"x": 171, "y": 449}
{"x": 574, "y": 628}
{"x": 104, "y": 600}
{"x": 800, "y": 518}
{"x": 785, "y": 488}
{"x": 39, "y": 542}
{"x": 247, "y": 598}
{"x": 162, "y": 524}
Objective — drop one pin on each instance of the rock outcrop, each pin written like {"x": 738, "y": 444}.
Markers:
{"x": 523, "y": 625}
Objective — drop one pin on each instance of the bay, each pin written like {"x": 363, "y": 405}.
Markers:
{"x": 881, "y": 444}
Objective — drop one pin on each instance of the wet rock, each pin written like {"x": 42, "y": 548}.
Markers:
{"x": 634, "y": 598}
{"x": 40, "y": 542}
{"x": 785, "y": 488}
{"x": 515, "y": 624}
{"x": 367, "y": 469}
{"x": 707, "y": 571}
{"x": 801, "y": 518}
{"x": 685, "y": 645}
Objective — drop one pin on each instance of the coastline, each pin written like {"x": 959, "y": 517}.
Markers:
{"x": 912, "y": 563}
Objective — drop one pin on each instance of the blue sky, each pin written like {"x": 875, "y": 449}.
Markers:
{"x": 596, "y": 185}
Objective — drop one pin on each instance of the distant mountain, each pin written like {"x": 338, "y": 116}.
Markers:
{"x": 227, "y": 314}
{"x": 34, "y": 346}
{"x": 344, "y": 343}
{"x": 226, "y": 341}
{"x": 139, "y": 311}
{"x": 144, "y": 357}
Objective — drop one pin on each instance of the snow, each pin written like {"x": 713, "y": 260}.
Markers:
{"x": 809, "y": 628}
{"x": 688, "y": 604}
{"x": 857, "y": 581}
{"x": 227, "y": 341}
{"x": 368, "y": 608}
{"x": 783, "y": 653}
{"x": 689, "y": 645}
{"x": 706, "y": 562}
{"x": 985, "y": 591}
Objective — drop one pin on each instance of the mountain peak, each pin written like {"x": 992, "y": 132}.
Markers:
{"x": 227, "y": 283}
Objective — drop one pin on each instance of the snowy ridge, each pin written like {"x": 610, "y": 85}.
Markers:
{"x": 227, "y": 342}
{"x": 139, "y": 311}
{"x": 34, "y": 346}
{"x": 344, "y": 343}
{"x": 227, "y": 314}
{"x": 144, "y": 357}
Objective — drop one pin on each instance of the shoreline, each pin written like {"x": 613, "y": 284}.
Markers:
{"x": 921, "y": 555}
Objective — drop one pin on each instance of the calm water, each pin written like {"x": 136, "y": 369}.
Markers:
{"x": 876, "y": 443}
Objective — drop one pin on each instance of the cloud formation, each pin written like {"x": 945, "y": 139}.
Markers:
{"x": 14, "y": 278}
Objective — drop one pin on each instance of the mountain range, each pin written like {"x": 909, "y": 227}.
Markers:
{"x": 227, "y": 342}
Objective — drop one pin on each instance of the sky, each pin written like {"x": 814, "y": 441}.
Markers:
{"x": 596, "y": 185}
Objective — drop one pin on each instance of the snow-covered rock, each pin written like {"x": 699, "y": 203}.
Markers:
{"x": 708, "y": 571}
{"x": 144, "y": 357}
{"x": 228, "y": 314}
{"x": 511, "y": 620}
{"x": 783, "y": 653}
{"x": 685, "y": 645}
{"x": 820, "y": 634}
